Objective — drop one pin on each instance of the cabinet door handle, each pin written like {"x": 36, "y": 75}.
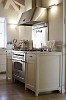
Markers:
{"x": 11, "y": 59}
{"x": 30, "y": 56}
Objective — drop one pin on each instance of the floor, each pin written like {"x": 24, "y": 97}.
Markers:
{"x": 9, "y": 91}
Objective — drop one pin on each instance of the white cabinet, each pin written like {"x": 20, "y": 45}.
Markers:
{"x": 2, "y": 60}
{"x": 49, "y": 72}
{"x": 9, "y": 65}
{"x": 30, "y": 71}
{"x": 44, "y": 72}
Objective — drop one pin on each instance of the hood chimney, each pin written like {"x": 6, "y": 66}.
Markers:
{"x": 29, "y": 4}
{"x": 36, "y": 3}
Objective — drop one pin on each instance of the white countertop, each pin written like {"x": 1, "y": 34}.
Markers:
{"x": 39, "y": 52}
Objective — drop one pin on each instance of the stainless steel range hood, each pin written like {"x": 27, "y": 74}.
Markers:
{"x": 33, "y": 16}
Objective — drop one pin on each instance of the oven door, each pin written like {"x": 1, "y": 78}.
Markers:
{"x": 19, "y": 70}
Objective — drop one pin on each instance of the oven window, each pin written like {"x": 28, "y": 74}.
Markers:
{"x": 18, "y": 66}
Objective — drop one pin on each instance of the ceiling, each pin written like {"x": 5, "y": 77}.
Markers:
{"x": 16, "y": 4}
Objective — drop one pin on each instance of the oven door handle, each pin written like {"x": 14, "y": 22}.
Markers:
{"x": 15, "y": 60}
{"x": 18, "y": 60}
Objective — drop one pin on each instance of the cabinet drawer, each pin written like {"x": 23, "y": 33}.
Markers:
{"x": 30, "y": 57}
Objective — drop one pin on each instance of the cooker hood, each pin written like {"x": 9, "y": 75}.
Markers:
{"x": 33, "y": 16}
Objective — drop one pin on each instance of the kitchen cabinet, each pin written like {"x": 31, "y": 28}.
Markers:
{"x": 2, "y": 60}
{"x": 9, "y": 65}
{"x": 44, "y": 71}
{"x": 49, "y": 72}
{"x": 30, "y": 71}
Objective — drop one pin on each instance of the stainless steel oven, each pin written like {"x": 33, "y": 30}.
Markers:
{"x": 18, "y": 59}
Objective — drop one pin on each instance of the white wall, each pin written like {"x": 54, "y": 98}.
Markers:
{"x": 28, "y": 4}
{"x": 47, "y": 3}
{"x": 12, "y": 32}
{"x": 55, "y": 17}
{"x": 28, "y": 32}
{"x": 12, "y": 17}
{"x": 25, "y": 33}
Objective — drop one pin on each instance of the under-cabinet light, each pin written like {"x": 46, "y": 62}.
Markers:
{"x": 54, "y": 2}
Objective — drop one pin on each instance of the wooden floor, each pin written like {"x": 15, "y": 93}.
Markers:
{"x": 9, "y": 91}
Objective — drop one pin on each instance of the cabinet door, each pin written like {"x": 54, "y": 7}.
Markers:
{"x": 49, "y": 73}
{"x": 9, "y": 67}
{"x": 31, "y": 76}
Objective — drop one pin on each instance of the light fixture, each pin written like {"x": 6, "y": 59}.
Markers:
{"x": 52, "y": 2}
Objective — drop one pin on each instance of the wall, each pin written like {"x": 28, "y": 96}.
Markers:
{"x": 28, "y": 4}
{"x": 12, "y": 17}
{"x": 55, "y": 17}
{"x": 28, "y": 32}
{"x": 47, "y": 3}
{"x": 25, "y": 33}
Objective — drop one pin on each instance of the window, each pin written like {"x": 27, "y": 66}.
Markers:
{"x": 2, "y": 32}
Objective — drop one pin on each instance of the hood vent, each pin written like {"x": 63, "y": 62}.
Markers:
{"x": 33, "y": 16}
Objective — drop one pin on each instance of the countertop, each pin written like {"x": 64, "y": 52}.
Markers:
{"x": 38, "y": 52}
